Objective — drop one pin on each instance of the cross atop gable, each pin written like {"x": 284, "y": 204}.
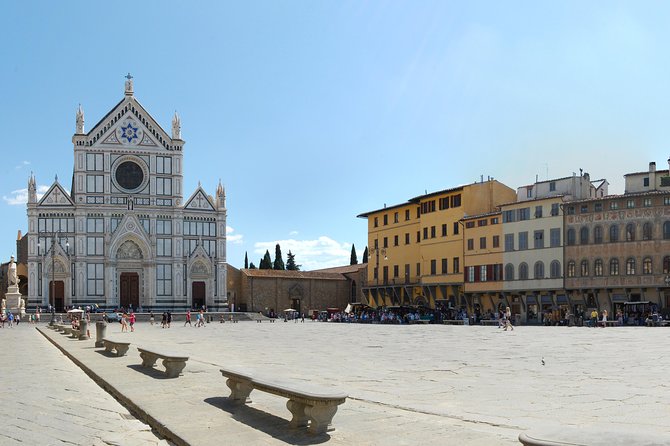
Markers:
{"x": 56, "y": 196}
{"x": 199, "y": 201}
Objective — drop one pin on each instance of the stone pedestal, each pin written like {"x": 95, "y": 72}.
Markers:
{"x": 14, "y": 301}
{"x": 100, "y": 328}
{"x": 83, "y": 329}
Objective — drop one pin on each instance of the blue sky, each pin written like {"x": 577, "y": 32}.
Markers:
{"x": 311, "y": 112}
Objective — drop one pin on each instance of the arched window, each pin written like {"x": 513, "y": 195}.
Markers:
{"x": 571, "y": 268}
{"x": 598, "y": 234}
{"x": 630, "y": 266}
{"x": 598, "y": 268}
{"x": 571, "y": 237}
{"x": 647, "y": 266}
{"x": 509, "y": 272}
{"x": 614, "y": 233}
{"x": 646, "y": 231}
{"x": 614, "y": 267}
{"x": 666, "y": 265}
{"x": 555, "y": 269}
{"x": 584, "y": 236}
{"x": 584, "y": 268}
{"x": 523, "y": 271}
{"x": 539, "y": 270}
{"x": 630, "y": 232}
{"x": 666, "y": 230}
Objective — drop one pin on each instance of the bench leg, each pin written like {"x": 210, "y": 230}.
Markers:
{"x": 300, "y": 418}
{"x": 173, "y": 368}
{"x": 109, "y": 348}
{"x": 239, "y": 391}
{"x": 148, "y": 360}
{"x": 121, "y": 350}
{"x": 320, "y": 418}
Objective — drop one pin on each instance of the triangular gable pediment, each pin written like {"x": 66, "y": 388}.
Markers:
{"x": 199, "y": 201}
{"x": 56, "y": 196}
{"x": 130, "y": 228}
{"x": 129, "y": 124}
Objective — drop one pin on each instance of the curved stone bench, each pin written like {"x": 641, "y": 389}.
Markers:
{"x": 120, "y": 347}
{"x": 173, "y": 364}
{"x": 591, "y": 436}
{"x": 315, "y": 410}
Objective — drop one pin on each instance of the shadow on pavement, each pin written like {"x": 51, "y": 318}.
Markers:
{"x": 270, "y": 424}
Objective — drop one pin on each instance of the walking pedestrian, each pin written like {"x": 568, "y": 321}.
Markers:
{"x": 188, "y": 319}
{"x": 124, "y": 323}
{"x": 169, "y": 319}
{"x": 508, "y": 319}
{"x": 151, "y": 317}
{"x": 164, "y": 320}
{"x": 132, "y": 321}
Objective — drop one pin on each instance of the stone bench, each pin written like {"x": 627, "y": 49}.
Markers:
{"x": 315, "y": 410}
{"x": 173, "y": 364}
{"x": 75, "y": 332}
{"x": 453, "y": 322}
{"x": 604, "y": 435}
{"x": 67, "y": 330}
{"x": 489, "y": 322}
{"x": 121, "y": 348}
{"x": 420, "y": 321}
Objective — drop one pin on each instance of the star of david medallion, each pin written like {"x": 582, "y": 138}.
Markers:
{"x": 129, "y": 134}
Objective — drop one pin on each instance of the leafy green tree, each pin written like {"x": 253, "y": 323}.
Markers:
{"x": 290, "y": 262}
{"x": 246, "y": 260}
{"x": 354, "y": 258}
{"x": 365, "y": 255}
{"x": 252, "y": 266}
{"x": 266, "y": 261}
{"x": 279, "y": 261}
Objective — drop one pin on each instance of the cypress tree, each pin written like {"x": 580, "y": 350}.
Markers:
{"x": 252, "y": 266}
{"x": 279, "y": 261}
{"x": 354, "y": 258}
{"x": 365, "y": 255}
{"x": 266, "y": 261}
{"x": 246, "y": 260}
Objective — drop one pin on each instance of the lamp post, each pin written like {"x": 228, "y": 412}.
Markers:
{"x": 58, "y": 235}
{"x": 376, "y": 250}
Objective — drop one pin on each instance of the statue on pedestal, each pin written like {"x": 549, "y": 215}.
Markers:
{"x": 11, "y": 273}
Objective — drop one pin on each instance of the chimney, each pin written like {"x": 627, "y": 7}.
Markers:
{"x": 652, "y": 167}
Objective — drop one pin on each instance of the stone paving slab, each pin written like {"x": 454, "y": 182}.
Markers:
{"x": 419, "y": 384}
{"x": 47, "y": 400}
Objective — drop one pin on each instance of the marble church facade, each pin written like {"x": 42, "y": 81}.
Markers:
{"x": 123, "y": 235}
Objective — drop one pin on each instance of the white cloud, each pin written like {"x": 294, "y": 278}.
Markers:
{"x": 293, "y": 233}
{"x": 20, "y": 196}
{"x": 23, "y": 164}
{"x": 324, "y": 252}
{"x": 233, "y": 238}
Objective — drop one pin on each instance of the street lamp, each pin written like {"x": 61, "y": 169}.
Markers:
{"x": 376, "y": 250}
{"x": 58, "y": 235}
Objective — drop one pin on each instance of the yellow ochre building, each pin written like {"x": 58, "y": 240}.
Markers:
{"x": 416, "y": 249}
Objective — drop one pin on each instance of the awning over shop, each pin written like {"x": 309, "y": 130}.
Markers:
{"x": 562, "y": 299}
{"x": 546, "y": 299}
{"x": 619, "y": 297}
{"x": 530, "y": 299}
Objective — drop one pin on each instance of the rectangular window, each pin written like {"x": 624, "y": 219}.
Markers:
{"x": 554, "y": 209}
{"x": 444, "y": 203}
{"x": 508, "y": 216}
{"x": 482, "y": 242}
{"x": 445, "y": 263}
{"x": 555, "y": 237}
{"x": 114, "y": 223}
{"x": 630, "y": 204}
{"x": 145, "y": 224}
{"x": 524, "y": 214}
{"x": 538, "y": 211}
{"x": 614, "y": 205}
{"x": 471, "y": 273}
{"x": 482, "y": 273}
{"x": 407, "y": 238}
{"x": 433, "y": 267}
{"x": 469, "y": 224}
{"x": 432, "y": 232}
{"x": 418, "y": 269}
{"x": 523, "y": 241}
{"x": 95, "y": 279}
{"x": 444, "y": 230}
{"x": 598, "y": 207}
{"x": 428, "y": 206}
{"x": 456, "y": 201}
{"x": 395, "y": 218}
{"x": 386, "y": 242}
{"x": 406, "y": 214}
{"x": 418, "y": 236}
{"x": 189, "y": 246}
{"x": 583, "y": 209}
{"x": 164, "y": 280}
{"x": 163, "y": 186}
{"x": 571, "y": 210}
{"x": 94, "y": 184}
{"x": 94, "y": 162}
{"x": 94, "y": 246}
{"x": 395, "y": 271}
{"x": 210, "y": 247}
{"x": 666, "y": 201}
{"x": 376, "y": 221}
{"x": 457, "y": 265}
{"x": 95, "y": 225}
{"x": 456, "y": 228}
{"x": 386, "y": 219}
{"x": 395, "y": 240}
{"x": 509, "y": 242}
{"x": 164, "y": 247}
{"x": 496, "y": 241}
{"x": 425, "y": 233}
{"x": 163, "y": 227}
{"x": 483, "y": 222}
{"x": 163, "y": 165}
{"x": 538, "y": 239}
{"x": 471, "y": 244}
{"x": 645, "y": 181}
{"x": 529, "y": 192}
{"x": 552, "y": 186}
{"x": 647, "y": 202}
{"x": 495, "y": 220}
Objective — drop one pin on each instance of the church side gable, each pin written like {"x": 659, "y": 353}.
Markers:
{"x": 56, "y": 196}
{"x": 199, "y": 201}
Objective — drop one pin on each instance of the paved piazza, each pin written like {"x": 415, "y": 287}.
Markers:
{"x": 416, "y": 384}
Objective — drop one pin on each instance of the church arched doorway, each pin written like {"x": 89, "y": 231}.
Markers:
{"x": 198, "y": 294}
{"x": 129, "y": 290}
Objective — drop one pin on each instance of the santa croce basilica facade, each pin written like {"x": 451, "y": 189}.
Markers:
{"x": 123, "y": 236}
